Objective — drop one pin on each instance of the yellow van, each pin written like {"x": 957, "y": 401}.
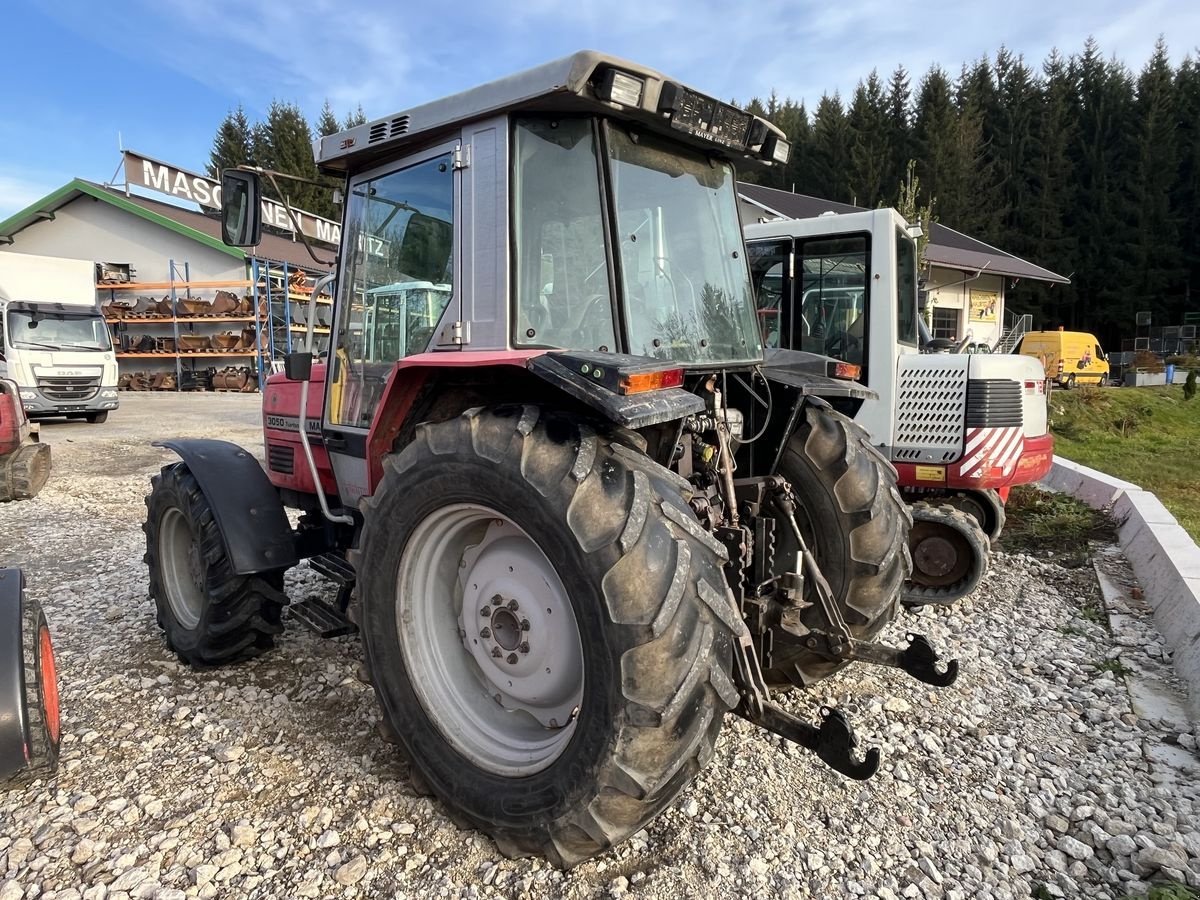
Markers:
{"x": 1069, "y": 357}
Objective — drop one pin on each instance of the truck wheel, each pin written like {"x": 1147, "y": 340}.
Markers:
{"x": 855, "y": 522}
{"x": 950, "y": 555}
{"x": 210, "y": 615}
{"x": 97, "y": 418}
{"x": 32, "y": 677}
{"x": 547, "y": 628}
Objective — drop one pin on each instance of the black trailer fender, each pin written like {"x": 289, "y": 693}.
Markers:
{"x": 29, "y": 725}
{"x": 246, "y": 506}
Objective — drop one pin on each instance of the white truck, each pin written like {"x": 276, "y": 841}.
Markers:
{"x": 53, "y": 340}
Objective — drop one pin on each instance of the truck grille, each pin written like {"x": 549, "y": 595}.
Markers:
{"x": 68, "y": 389}
{"x": 931, "y": 401}
{"x": 281, "y": 458}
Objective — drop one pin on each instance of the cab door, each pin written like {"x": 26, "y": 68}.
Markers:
{"x": 400, "y": 269}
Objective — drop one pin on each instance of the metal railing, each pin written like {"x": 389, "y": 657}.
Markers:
{"x": 1013, "y": 334}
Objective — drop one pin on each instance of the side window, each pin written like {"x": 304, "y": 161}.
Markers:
{"x": 906, "y": 288}
{"x": 772, "y": 289}
{"x": 832, "y": 288}
{"x": 398, "y": 282}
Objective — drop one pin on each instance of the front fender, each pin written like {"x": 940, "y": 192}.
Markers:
{"x": 245, "y": 505}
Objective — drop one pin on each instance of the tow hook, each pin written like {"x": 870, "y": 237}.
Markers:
{"x": 833, "y": 741}
{"x": 918, "y": 659}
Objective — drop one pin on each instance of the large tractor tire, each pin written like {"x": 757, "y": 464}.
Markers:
{"x": 855, "y": 522}
{"x": 950, "y": 555}
{"x": 210, "y": 615}
{"x": 547, "y": 628}
{"x": 24, "y": 472}
{"x": 29, "y": 717}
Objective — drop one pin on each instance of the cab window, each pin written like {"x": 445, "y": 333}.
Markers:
{"x": 906, "y": 288}
{"x": 772, "y": 290}
{"x": 399, "y": 281}
{"x": 829, "y": 314}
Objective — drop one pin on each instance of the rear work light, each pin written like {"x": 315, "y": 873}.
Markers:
{"x": 640, "y": 382}
{"x": 618, "y": 87}
{"x": 846, "y": 370}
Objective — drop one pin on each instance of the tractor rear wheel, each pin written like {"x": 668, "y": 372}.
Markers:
{"x": 950, "y": 555}
{"x": 37, "y": 677}
{"x": 547, "y": 627}
{"x": 855, "y": 522}
{"x": 210, "y": 615}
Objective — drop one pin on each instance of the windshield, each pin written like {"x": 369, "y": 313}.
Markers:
{"x": 57, "y": 330}
{"x": 686, "y": 284}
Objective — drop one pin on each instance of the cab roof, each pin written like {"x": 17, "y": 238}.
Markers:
{"x": 564, "y": 85}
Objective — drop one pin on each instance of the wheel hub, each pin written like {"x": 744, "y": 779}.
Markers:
{"x": 935, "y": 555}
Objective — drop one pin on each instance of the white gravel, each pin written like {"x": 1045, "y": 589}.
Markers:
{"x": 267, "y": 779}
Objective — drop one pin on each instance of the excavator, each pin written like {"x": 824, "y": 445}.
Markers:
{"x": 960, "y": 428}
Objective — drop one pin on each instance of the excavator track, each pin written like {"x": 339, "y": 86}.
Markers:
{"x": 950, "y": 555}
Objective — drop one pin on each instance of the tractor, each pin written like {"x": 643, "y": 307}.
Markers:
{"x": 960, "y": 428}
{"x": 28, "y": 684}
{"x": 569, "y": 502}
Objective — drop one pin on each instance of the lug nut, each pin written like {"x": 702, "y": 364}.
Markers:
{"x": 524, "y": 624}
{"x": 497, "y": 600}
{"x": 512, "y": 659}
{"x": 524, "y": 648}
{"x": 496, "y": 654}
{"x": 486, "y": 611}
{"x": 514, "y": 605}
{"x": 485, "y": 632}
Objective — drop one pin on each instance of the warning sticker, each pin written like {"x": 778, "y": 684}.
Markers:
{"x": 930, "y": 473}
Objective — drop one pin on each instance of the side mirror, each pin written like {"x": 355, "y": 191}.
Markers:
{"x": 297, "y": 366}
{"x": 241, "y": 208}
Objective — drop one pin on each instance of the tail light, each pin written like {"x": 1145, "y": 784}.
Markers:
{"x": 639, "y": 382}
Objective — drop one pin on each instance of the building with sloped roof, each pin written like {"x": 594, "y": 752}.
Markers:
{"x": 965, "y": 279}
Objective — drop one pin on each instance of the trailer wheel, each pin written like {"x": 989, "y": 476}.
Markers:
{"x": 210, "y": 615}
{"x": 855, "y": 522}
{"x": 950, "y": 555}
{"x": 547, "y": 628}
{"x": 29, "y": 735}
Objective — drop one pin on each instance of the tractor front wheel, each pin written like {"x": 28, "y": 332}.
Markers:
{"x": 547, "y": 628}
{"x": 29, "y": 733}
{"x": 210, "y": 615}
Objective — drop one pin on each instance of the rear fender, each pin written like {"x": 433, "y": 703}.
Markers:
{"x": 807, "y": 373}
{"x": 14, "y": 719}
{"x": 245, "y": 505}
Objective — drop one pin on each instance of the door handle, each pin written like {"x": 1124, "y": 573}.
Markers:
{"x": 333, "y": 442}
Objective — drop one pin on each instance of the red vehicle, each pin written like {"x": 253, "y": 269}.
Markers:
{"x": 570, "y": 502}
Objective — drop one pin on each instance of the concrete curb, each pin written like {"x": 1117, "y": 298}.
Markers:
{"x": 1163, "y": 556}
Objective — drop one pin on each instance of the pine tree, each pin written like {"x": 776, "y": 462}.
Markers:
{"x": 899, "y": 115}
{"x": 354, "y": 119}
{"x": 870, "y": 151}
{"x": 1185, "y": 193}
{"x": 327, "y": 123}
{"x": 1155, "y": 237}
{"x": 831, "y": 151}
{"x": 290, "y": 142}
{"x": 232, "y": 145}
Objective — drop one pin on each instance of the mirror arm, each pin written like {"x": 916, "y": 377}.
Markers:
{"x": 288, "y": 206}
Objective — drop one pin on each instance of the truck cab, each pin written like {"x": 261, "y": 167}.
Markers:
{"x": 54, "y": 342}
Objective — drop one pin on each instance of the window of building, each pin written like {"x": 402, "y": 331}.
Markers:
{"x": 945, "y": 323}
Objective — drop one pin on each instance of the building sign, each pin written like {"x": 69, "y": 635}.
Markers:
{"x": 984, "y": 306}
{"x": 199, "y": 189}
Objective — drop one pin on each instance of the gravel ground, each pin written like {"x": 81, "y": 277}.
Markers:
{"x": 1035, "y": 774}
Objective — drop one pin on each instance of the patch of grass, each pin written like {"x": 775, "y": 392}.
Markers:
{"x": 1165, "y": 891}
{"x": 1149, "y": 435}
{"x": 1039, "y": 520}
{"x": 1115, "y": 666}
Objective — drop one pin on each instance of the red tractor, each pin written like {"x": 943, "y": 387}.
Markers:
{"x": 28, "y": 685}
{"x": 570, "y": 503}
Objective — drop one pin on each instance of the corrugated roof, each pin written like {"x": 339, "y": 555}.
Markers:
{"x": 946, "y": 247}
{"x": 187, "y": 222}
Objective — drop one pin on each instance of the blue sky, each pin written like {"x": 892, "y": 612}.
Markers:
{"x": 163, "y": 73}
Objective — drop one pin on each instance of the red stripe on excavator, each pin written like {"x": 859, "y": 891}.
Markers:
{"x": 1016, "y": 460}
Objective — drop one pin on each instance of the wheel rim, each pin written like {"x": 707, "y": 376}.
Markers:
{"x": 490, "y": 640}
{"x": 180, "y": 565}
{"x": 941, "y": 556}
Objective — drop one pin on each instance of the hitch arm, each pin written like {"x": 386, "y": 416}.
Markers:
{"x": 918, "y": 659}
{"x": 833, "y": 742}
